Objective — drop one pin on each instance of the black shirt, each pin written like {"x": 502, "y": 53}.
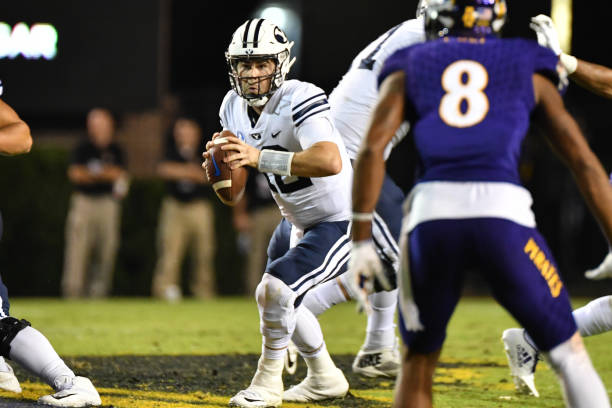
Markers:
{"x": 89, "y": 155}
{"x": 185, "y": 190}
{"x": 257, "y": 190}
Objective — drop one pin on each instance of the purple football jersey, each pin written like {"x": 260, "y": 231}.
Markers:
{"x": 469, "y": 101}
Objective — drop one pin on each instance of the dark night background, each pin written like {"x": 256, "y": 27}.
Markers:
{"x": 126, "y": 55}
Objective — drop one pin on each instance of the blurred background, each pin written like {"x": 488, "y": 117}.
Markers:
{"x": 151, "y": 61}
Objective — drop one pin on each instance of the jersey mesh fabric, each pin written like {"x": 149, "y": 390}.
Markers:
{"x": 469, "y": 153}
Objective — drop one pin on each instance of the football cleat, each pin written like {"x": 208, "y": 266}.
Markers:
{"x": 291, "y": 358}
{"x": 318, "y": 387}
{"x": 603, "y": 271}
{"x": 76, "y": 392}
{"x": 378, "y": 363}
{"x": 522, "y": 359}
{"x": 8, "y": 381}
{"x": 256, "y": 397}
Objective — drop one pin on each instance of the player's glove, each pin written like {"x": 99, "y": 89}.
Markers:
{"x": 364, "y": 267}
{"x": 546, "y": 32}
{"x": 547, "y": 37}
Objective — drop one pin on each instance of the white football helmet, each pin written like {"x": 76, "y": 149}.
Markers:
{"x": 423, "y": 4}
{"x": 259, "y": 39}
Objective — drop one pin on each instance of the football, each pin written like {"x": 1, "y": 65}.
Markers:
{"x": 228, "y": 184}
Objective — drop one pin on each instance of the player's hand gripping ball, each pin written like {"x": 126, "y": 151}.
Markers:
{"x": 228, "y": 184}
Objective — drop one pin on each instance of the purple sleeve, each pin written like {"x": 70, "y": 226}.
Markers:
{"x": 546, "y": 63}
{"x": 395, "y": 62}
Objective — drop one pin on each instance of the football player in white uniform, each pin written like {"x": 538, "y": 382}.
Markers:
{"x": 352, "y": 103}
{"x": 19, "y": 341}
{"x": 284, "y": 129}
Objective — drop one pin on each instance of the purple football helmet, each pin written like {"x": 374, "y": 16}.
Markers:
{"x": 464, "y": 18}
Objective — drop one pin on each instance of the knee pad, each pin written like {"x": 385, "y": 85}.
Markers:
{"x": 9, "y": 327}
{"x": 275, "y": 301}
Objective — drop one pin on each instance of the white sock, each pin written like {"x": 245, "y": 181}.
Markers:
{"x": 325, "y": 296}
{"x": 31, "y": 350}
{"x": 274, "y": 348}
{"x": 3, "y": 366}
{"x": 595, "y": 317}
{"x": 380, "y": 332}
{"x": 320, "y": 364}
{"x": 582, "y": 387}
{"x": 307, "y": 335}
{"x": 269, "y": 375}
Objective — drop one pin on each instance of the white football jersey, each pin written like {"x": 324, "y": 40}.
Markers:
{"x": 286, "y": 124}
{"x": 355, "y": 96}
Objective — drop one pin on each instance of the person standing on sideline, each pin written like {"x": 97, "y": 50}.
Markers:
{"x": 97, "y": 171}
{"x": 186, "y": 219}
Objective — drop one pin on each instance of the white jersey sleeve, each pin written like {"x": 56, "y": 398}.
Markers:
{"x": 224, "y": 112}
{"x": 355, "y": 96}
{"x": 312, "y": 117}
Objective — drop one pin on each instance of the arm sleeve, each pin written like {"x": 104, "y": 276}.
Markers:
{"x": 316, "y": 130}
{"x": 223, "y": 111}
{"x": 547, "y": 64}
{"x": 309, "y": 102}
{"x": 395, "y": 62}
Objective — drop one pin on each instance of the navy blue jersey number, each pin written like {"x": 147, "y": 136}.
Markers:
{"x": 276, "y": 182}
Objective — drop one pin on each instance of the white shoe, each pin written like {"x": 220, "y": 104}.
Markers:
{"x": 172, "y": 294}
{"x": 603, "y": 271}
{"x": 291, "y": 358}
{"x": 8, "y": 381}
{"x": 379, "y": 363}
{"x": 256, "y": 397}
{"x": 80, "y": 392}
{"x": 318, "y": 387}
{"x": 522, "y": 359}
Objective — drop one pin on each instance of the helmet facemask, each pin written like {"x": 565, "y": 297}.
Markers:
{"x": 266, "y": 85}
{"x": 258, "y": 40}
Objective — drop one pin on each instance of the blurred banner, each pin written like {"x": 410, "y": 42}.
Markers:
{"x": 63, "y": 57}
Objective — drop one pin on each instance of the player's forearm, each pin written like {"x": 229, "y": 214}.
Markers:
{"x": 595, "y": 78}
{"x": 15, "y": 138}
{"x": 110, "y": 173}
{"x": 319, "y": 160}
{"x": 596, "y": 190}
{"x": 367, "y": 183}
{"x": 78, "y": 174}
{"x": 370, "y": 165}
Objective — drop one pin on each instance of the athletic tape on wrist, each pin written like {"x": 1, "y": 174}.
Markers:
{"x": 273, "y": 161}
{"x": 357, "y": 216}
{"x": 569, "y": 62}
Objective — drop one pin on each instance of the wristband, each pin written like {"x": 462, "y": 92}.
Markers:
{"x": 569, "y": 62}
{"x": 273, "y": 161}
{"x": 357, "y": 216}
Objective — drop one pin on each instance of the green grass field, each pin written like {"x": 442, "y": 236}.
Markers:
{"x": 144, "y": 353}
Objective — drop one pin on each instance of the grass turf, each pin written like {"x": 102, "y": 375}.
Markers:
{"x": 472, "y": 373}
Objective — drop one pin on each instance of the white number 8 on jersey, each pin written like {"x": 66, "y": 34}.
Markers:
{"x": 470, "y": 91}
